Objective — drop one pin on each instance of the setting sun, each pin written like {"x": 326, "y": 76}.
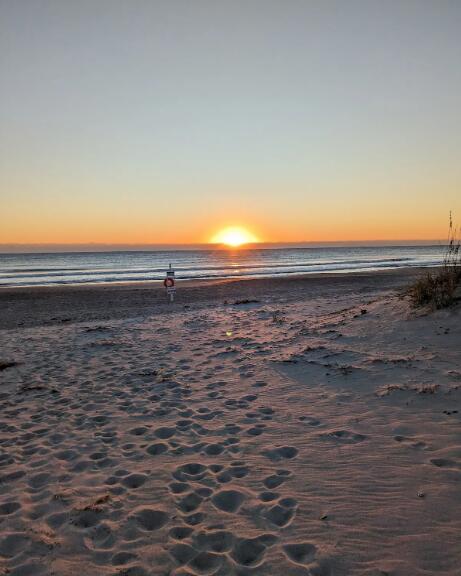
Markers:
{"x": 234, "y": 236}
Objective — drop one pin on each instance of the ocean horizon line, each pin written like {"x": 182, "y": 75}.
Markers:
{"x": 51, "y": 247}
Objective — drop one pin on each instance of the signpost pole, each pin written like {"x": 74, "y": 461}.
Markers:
{"x": 169, "y": 284}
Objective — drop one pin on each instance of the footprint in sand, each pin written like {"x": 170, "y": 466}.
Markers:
{"x": 182, "y": 553}
{"x": 179, "y": 487}
{"x": 12, "y": 476}
{"x": 231, "y": 429}
{"x": 302, "y": 553}
{"x": 100, "y": 420}
{"x": 134, "y": 481}
{"x": 201, "y": 561}
{"x": 445, "y": 463}
{"x": 256, "y": 430}
{"x": 150, "y": 519}
{"x": 281, "y": 515}
{"x": 205, "y": 563}
{"x": 157, "y": 449}
{"x": 309, "y": 420}
{"x": 213, "y": 449}
{"x": 193, "y": 471}
{"x": 218, "y": 541}
{"x": 100, "y": 537}
{"x": 57, "y": 519}
{"x": 165, "y": 432}
{"x": 281, "y": 453}
{"x": 275, "y": 480}
{"x": 266, "y": 412}
{"x": 194, "y": 519}
{"x": 250, "y": 552}
{"x": 38, "y": 481}
{"x": 8, "y": 508}
{"x": 411, "y": 442}
{"x": 184, "y": 424}
{"x": 122, "y": 558}
{"x": 345, "y": 436}
{"x": 228, "y": 500}
{"x": 180, "y": 532}
{"x": 138, "y": 431}
{"x": 249, "y": 398}
{"x": 13, "y": 544}
{"x": 204, "y": 492}
{"x": 67, "y": 454}
{"x": 190, "y": 503}
{"x": 85, "y": 519}
{"x": 268, "y": 496}
{"x": 207, "y": 415}
{"x": 238, "y": 469}
{"x": 259, "y": 384}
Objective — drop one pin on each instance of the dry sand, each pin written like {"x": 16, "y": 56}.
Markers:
{"x": 314, "y": 432}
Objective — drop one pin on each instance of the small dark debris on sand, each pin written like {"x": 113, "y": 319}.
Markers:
{"x": 5, "y": 364}
{"x": 97, "y": 329}
{"x": 246, "y": 301}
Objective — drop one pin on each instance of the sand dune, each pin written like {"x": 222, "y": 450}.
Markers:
{"x": 301, "y": 436}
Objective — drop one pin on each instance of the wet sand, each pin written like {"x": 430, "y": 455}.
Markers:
{"x": 23, "y": 307}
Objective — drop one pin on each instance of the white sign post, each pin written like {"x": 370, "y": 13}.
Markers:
{"x": 169, "y": 284}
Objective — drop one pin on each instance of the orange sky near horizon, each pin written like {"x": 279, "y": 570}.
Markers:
{"x": 41, "y": 227}
{"x": 279, "y": 217}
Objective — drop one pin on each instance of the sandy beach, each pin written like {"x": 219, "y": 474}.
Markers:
{"x": 305, "y": 427}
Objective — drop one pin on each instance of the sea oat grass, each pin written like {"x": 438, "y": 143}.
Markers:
{"x": 438, "y": 289}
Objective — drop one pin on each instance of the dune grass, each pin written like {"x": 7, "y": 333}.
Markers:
{"x": 438, "y": 289}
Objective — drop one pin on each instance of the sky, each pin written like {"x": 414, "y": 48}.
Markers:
{"x": 144, "y": 121}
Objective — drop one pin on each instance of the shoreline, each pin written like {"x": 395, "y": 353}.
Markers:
{"x": 47, "y": 305}
{"x": 192, "y": 282}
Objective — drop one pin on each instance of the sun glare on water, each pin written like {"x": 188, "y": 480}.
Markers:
{"x": 234, "y": 236}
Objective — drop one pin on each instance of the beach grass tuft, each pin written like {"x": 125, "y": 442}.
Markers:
{"x": 438, "y": 289}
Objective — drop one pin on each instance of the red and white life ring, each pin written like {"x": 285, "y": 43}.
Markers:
{"x": 168, "y": 282}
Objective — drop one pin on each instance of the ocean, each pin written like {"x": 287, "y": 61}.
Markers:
{"x": 129, "y": 266}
